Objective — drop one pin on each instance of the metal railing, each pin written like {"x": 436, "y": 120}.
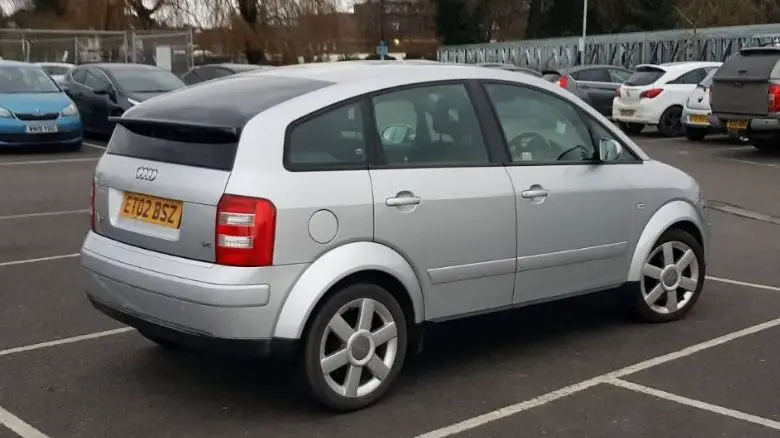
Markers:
{"x": 626, "y": 49}
{"x": 169, "y": 49}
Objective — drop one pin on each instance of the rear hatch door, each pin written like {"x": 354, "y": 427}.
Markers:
{"x": 741, "y": 85}
{"x": 700, "y": 97}
{"x": 644, "y": 77}
{"x": 159, "y": 184}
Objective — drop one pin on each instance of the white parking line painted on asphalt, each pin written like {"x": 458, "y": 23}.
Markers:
{"x": 39, "y": 259}
{"x": 65, "y": 341}
{"x": 94, "y": 145}
{"x": 510, "y": 410}
{"x": 744, "y": 283}
{"x": 726, "y": 412}
{"x": 18, "y": 426}
{"x": 32, "y": 162}
{"x": 43, "y": 214}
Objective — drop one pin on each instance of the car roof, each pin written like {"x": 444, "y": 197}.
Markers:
{"x": 55, "y": 64}
{"x": 576, "y": 68}
{"x": 120, "y": 65}
{"x": 9, "y": 62}
{"x": 235, "y": 66}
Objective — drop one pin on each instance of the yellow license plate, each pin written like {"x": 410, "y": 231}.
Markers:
{"x": 698, "y": 119}
{"x": 737, "y": 124}
{"x": 152, "y": 210}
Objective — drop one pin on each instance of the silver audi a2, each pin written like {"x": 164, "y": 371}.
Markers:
{"x": 330, "y": 211}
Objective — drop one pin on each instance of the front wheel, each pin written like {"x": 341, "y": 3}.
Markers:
{"x": 632, "y": 128}
{"x": 670, "y": 123}
{"x": 355, "y": 347}
{"x": 672, "y": 278}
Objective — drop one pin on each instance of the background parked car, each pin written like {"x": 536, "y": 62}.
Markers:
{"x": 104, "y": 90}
{"x": 655, "y": 95}
{"x": 595, "y": 84}
{"x": 511, "y": 67}
{"x": 697, "y": 118}
{"x": 34, "y": 110}
{"x": 57, "y": 70}
{"x": 201, "y": 73}
{"x": 745, "y": 94}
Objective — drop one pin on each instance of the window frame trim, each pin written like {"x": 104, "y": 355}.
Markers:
{"x": 581, "y": 112}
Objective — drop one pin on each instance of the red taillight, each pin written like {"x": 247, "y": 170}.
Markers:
{"x": 246, "y": 230}
{"x": 93, "y": 222}
{"x": 651, "y": 93}
{"x": 774, "y": 98}
{"x": 563, "y": 81}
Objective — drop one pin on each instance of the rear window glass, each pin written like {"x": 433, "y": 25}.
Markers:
{"x": 645, "y": 76}
{"x": 198, "y": 147}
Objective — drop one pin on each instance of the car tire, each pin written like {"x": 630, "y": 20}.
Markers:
{"x": 355, "y": 351}
{"x": 695, "y": 134}
{"x": 632, "y": 128}
{"x": 164, "y": 343}
{"x": 670, "y": 123}
{"x": 681, "y": 276}
{"x": 765, "y": 144}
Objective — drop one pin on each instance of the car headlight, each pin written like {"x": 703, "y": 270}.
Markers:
{"x": 70, "y": 110}
{"x": 5, "y": 114}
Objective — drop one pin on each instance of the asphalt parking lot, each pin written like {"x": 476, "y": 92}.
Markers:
{"x": 570, "y": 369}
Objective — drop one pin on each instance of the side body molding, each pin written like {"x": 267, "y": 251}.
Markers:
{"x": 662, "y": 219}
{"x": 336, "y": 265}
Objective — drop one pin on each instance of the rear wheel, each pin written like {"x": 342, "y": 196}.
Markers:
{"x": 355, "y": 347}
{"x": 670, "y": 124}
{"x": 766, "y": 144}
{"x": 695, "y": 134}
{"x": 632, "y": 128}
{"x": 672, "y": 279}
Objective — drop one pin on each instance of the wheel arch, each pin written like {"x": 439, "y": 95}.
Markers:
{"x": 348, "y": 264}
{"x": 677, "y": 214}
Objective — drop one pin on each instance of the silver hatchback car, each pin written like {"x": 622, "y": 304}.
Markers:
{"x": 329, "y": 212}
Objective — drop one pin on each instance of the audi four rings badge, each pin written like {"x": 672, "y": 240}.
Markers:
{"x": 146, "y": 174}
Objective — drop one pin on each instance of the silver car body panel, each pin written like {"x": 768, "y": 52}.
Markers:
{"x": 591, "y": 233}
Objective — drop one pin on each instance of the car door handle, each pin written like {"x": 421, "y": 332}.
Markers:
{"x": 534, "y": 193}
{"x": 402, "y": 200}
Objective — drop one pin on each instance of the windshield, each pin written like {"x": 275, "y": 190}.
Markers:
{"x": 55, "y": 70}
{"x": 138, "y": 80}
{"x": 645, "y": 76}
{"x": 26, "y": 79}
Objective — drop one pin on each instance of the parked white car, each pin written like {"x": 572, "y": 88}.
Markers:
{"x": 656, "y": 95}
{"x": 697, "y": 118}
{"x": 57, "y": 70}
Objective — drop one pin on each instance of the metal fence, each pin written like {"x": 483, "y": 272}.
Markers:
{"x": 626, "y": 49}
{"x": 168, "y": 49}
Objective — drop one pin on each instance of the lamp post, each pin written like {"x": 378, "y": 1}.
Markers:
{"x": 584, "y": 31}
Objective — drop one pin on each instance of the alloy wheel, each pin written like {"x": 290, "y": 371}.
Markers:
{"x": 670, "y": 277}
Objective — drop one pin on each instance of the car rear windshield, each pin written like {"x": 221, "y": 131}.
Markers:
{"x": 645, "y": 76}
{"x": 197, "y": 146}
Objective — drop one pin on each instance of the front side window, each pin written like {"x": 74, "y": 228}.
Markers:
{"x": 539, "y": 127}
{"x": 691, "y": 78}
{"x": 95, "y": 81}
{"x": 332, "y": 139}
{"x": 429, "y": 126}
{"x": 26, "y": 79}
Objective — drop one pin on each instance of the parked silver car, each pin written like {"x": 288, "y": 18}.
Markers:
{"x": 331, "y": 211}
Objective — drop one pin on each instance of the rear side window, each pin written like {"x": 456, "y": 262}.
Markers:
{"x": 645, "y": 76}
{"x": 593, "y": 75}
{"x": 329, "y": 140}
{"x": 196, "y": 146}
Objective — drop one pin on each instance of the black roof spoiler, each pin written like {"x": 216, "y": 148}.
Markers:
{"x": 176, "y": 129}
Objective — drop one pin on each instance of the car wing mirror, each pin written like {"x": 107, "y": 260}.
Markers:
{"x": 610, "y": 150}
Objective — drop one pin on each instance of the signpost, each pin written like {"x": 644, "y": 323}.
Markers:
{"x": 381, "y": 50}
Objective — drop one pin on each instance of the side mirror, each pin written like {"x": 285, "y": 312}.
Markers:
{"x": 397, "y": 134}
{"x": 609, "y": 149}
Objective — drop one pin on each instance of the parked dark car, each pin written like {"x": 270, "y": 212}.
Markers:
{"x": 745, "y": 95}
{"x": 511, "y": 67}
{"x": 207, "y": 72}
{"x": 595, "y": 84}
{"x": 103, "y": 90}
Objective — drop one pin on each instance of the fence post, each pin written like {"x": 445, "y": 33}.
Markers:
{"x": 75, "y": 49}
{"x": 132, "y": 38}
{"x": 191, "y": 49}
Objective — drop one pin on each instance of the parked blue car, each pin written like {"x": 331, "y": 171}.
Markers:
{"x": 34, "y": 110}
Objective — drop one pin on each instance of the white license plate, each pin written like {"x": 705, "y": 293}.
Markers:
{"x": 41, "y": 129}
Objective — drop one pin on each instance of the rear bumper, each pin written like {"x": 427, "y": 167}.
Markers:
{"x": 26, "y": 140}
{"x": 195, "y": 303}
{"x": 642, "y": 114}
{"x": 712, "y": 123}
{"x": 755, "y": 124}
